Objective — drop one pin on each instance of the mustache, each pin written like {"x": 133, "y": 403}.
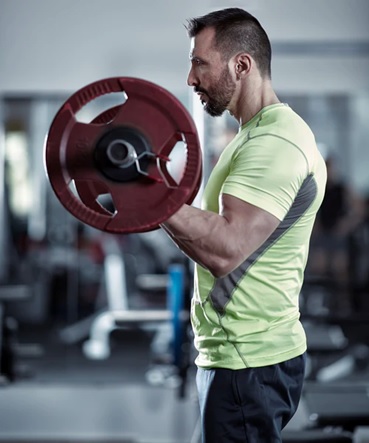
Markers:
{"x": 199, "y": 89}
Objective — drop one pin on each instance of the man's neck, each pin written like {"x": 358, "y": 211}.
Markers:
{"x": 254, "y": 99}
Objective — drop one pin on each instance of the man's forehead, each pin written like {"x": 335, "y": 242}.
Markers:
{"x": 202, "y": 42}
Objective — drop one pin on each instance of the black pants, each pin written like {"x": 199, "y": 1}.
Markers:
{"x": 249, "y": 405}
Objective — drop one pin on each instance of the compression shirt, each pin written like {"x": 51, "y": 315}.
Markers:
{"x": 250, "y": 317}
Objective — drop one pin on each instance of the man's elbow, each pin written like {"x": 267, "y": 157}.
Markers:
{"x": 220, "y": 268}
{"x": 218, "y": 273}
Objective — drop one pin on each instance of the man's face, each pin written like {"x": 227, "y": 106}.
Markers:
{"x": 210, "y": 75}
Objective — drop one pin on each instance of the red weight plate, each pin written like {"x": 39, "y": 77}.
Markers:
{"x": 140, "y": 204}
{"x": 89, "y": 190}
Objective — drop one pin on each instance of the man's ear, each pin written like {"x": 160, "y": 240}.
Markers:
{"x": 243, "y": 63}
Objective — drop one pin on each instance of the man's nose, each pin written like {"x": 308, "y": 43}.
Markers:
{"x": 191, "y": 79}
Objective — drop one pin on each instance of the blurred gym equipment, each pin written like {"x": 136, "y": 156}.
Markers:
{"x": 14, "y": 286}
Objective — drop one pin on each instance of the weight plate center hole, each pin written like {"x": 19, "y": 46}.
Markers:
{"x": 121, "y": 153}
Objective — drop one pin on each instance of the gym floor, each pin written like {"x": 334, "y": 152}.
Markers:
{"x": 60, "y": 396}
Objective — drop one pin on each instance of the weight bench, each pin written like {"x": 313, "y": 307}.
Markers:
{"x": 322, "y": 341}
{"x": 317, "y": 436}
{"x": 344, "y": 405}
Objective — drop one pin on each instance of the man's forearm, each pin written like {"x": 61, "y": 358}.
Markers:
{"x": 200, "y": 235}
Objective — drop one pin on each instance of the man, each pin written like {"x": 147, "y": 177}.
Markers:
{"x": 250, "y": 238}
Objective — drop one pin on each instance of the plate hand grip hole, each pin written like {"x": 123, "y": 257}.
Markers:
{"x": 100, "y": 105}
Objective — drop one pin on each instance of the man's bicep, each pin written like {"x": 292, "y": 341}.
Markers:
{"x": 249, "y": 224}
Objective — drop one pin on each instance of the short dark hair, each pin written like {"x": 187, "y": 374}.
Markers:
{"x": 236, "y": 30}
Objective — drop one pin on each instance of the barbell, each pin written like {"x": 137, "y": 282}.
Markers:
{"x": 123, "y": 154}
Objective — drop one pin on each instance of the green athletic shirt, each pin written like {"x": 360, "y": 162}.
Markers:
{"x": 251, "y": 317}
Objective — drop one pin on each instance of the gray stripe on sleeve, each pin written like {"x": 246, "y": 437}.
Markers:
{"x": 224, "y": 287}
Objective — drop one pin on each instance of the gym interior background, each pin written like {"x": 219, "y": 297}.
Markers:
{"x": 70, "y": 369}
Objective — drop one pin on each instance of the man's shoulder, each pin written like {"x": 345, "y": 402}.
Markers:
{"x": 282, "y": 127}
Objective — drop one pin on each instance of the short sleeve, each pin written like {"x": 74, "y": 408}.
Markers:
{"x": 267, "y": 171}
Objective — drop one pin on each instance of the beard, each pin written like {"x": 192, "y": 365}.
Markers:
{"x": 219, "y": 95}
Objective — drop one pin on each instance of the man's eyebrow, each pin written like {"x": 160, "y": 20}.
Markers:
{"x": 193, "y": 58}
